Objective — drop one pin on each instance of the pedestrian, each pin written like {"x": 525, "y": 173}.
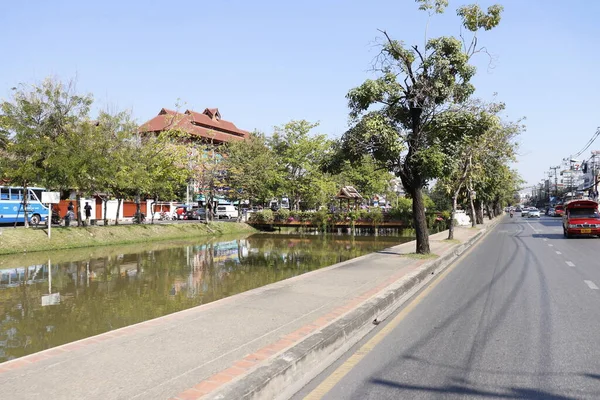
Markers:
{"x": 88, "y": 212}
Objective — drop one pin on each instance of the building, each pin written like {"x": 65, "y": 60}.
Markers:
{"x": 208, "y": 126}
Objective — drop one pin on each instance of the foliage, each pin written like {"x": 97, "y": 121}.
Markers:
{"x": 282, "y": 215}
{"x": 395, "y": 113}
{"x": 262, "y": 217}
{"x": 36, "y": 120}
{"x": 251, "y": 169}
{"x": 320, "y": 219}
{"x": 299, "y": 156}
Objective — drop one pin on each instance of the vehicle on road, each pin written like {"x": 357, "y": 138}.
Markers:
{"x": 525, "y": 212}
{"x": 550, "y": 212}
{"x": 581, "y": 218}
{"x": 534, "y": 213}
{"x": 227, "y": 211}
{"x": 12, "y": 209}
{"x": 559, "y": 210}
{"x": 195, "y": 213}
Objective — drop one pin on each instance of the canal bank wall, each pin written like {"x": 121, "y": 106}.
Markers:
{"x": 20, "y": 240}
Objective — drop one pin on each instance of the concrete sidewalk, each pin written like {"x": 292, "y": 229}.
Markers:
{"x": 258, "y": 344}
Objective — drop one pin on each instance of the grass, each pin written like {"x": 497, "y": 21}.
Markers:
{"x": 417, "y": 256}
{"x": 22, "y": 240}
{"x": 454, "y": 241}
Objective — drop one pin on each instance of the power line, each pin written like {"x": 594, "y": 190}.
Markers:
{"x": 589, "y": 143}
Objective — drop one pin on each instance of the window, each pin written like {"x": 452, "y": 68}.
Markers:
{"x": 4, "y": 194}
{"x": 16, "y": 194}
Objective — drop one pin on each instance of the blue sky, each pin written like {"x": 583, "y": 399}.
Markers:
{"x": 264, "y": 63}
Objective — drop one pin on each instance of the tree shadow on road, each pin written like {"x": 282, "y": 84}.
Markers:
{"x": 502, "y": 393}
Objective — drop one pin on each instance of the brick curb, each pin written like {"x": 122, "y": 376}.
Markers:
{"x": 286, "y": 366}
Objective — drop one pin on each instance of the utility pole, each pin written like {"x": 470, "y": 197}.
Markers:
{"x": 555, "y": 180}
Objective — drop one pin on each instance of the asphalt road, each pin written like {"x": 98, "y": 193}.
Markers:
{"x": 518, "y": 317}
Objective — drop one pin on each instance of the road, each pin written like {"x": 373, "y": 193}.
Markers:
{"x": 518, "y": 317}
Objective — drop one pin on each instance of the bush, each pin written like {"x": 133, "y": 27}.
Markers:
{"x": 282, "y": 215}
{"x": 262, "y": 217}
{"x": 320, "y": 219}
{"x": 375, "y": 216}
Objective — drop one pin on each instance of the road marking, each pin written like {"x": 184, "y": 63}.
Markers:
{"x": 550, "y": 245}
{"x": 570, "y": 264}
{"x": 558, "y": 252}
{"x": 592, "y": 285}
{"x": 545, "y": 240}
{"x": 336, "y": 376}
{"x": 535, "y": 230}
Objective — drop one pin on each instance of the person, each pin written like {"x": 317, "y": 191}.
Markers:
{"x": 88, "y": 212}
{"x": 180, "y": 212}
{"x": 511, "y": 212}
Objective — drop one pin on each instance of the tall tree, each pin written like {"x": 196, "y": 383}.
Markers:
{"x": 394, "y": 112}
{"x": 299, "y": 155}
{"x": 35, "y": 119}
{"x": 251, "y": 169}
{"x": 470, "y": 130}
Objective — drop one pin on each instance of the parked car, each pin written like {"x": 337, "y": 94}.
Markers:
{"x": 534, "y": 213}
{"x": 195, "y": 213}
{"x": 227, "y": 211}
{"x": 581, "y": 218}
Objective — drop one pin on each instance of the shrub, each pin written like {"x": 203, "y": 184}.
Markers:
{"x": 282, "y": 215}
{"x": 262, "y": 217}
{"x": 320, "y": 219}
{"x": 375, "y": 216}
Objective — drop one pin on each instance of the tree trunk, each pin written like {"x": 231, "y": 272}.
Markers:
{"x": 119, "y": 200}
{"x": 453, "y": 215}
{"x": 489, "y": 211}
{"x": 153, "y": 211}
{"x": 78, "y": 202}
{"x": 25, "y": 204}
{"x": 478, "y": 212}
{"x": 105, "y": 205}
{"x": 420, "y": 221}
{"x": 469, "y": 191}
{"x": 138, "y": 209}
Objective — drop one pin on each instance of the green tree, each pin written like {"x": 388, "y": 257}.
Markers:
{"x": 251, "y": 169}
{"x": 394, "y": 112}
{"x": 471, "y": 130}
{"x": 36, "y": 119}
{"x": 366, "y": 176}
{"x": 299, "y": 156}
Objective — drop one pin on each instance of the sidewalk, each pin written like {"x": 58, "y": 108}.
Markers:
{"x": 253, "y": 345}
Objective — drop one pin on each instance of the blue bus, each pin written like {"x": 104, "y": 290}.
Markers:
{"x": 11, "y": 205}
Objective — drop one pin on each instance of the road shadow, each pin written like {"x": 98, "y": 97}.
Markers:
{"x": 503, "y": 393}
{"x": 560, "y": 236}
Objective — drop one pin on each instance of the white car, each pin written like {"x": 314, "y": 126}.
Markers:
{"x": 535, "y": 213}
{"x": 227, "y": 211}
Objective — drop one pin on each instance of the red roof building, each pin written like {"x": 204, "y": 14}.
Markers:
{"x": 207, "y": 126}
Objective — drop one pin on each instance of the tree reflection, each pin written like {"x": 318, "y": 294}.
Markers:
{"x": 104, "y": 293}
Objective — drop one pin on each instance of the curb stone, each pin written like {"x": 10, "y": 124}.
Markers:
{"x": 283, "y": 375}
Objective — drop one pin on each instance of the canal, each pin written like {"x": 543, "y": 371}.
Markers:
{"x": 48, "y": 299}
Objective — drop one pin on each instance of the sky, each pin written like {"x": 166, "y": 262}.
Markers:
{"x": 264, "y": 63}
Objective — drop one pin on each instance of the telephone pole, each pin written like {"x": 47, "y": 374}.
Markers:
{"x": 555, "y": 181}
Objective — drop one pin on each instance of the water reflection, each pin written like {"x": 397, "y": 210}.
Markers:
{"x": 81, "y": 295}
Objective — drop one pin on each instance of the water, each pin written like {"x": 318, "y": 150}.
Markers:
{"x": 90, "y": 291}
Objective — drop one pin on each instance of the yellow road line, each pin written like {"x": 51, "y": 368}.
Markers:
{"x": 361, "y": 353}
